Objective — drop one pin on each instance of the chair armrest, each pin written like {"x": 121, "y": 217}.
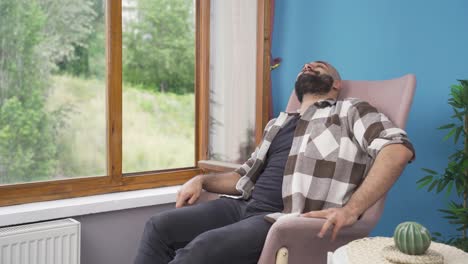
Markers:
{"x": 299, "y": 236}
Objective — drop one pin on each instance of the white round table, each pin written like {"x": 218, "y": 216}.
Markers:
{"x": 339, "y": 256}
{"x": 451, "y": 254}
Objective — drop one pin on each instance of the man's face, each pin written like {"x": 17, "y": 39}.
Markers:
{"x": 316, "y": 67}
{"x": 314, "y": 78}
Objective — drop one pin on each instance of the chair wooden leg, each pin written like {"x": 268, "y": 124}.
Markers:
{"x": 282, "y": 256}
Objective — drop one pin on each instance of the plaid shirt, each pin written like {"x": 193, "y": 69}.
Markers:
{"x": 335, "y": 144}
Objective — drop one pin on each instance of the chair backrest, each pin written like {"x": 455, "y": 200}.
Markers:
{"x": 391, "y": 97}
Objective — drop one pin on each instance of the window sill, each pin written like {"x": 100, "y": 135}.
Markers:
{"x": 41, "y": 211}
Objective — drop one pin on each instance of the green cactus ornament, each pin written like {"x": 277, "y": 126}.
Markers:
{"x": 412, "y": 238}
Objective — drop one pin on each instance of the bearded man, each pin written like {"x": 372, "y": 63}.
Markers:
{"x": 331, "y": 159}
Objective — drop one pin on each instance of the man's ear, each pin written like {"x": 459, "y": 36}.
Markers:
{"x": 337, "y": 85}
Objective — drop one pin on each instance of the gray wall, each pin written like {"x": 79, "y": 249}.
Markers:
{"x": 113, "y": 237}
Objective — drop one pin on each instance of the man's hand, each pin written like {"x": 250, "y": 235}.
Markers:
{"x": 339, "y": 217}
{"x": 189, "y": 192}
{"x": 213, "y": 182}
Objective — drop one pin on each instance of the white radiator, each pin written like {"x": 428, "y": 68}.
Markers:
{"x": 53, "y": 242}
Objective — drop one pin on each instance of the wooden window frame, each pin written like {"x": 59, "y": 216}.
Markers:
{"x": 116, "y": 181}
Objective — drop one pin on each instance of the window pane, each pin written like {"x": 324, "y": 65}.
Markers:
{"x": 52, "y": 90}
{"x": 158, "y": 91}
{"x": 232, "y": 85}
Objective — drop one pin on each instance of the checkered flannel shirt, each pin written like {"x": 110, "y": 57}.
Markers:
{"x": 335, "y": 144}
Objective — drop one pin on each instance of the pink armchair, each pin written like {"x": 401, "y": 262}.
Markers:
{"x": 294, "y": 240}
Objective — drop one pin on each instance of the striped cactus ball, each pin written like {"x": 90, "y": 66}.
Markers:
{"x": 412, "y": 238}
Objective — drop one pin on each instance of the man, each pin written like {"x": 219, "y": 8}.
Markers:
{"x": 309, "y": 164}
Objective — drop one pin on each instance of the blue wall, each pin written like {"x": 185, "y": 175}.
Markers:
{"x": 371, "y": 40}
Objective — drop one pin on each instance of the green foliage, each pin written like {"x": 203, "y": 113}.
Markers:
{"x": 97, "y": 53}
{"x": 20, "y": 23}
{"x": 26, "y": 132}
{"x": 27, "y": 151}
{"x": 34, "y": 36}
{"x": 88, "y": 55}
{"x": 68, "y": 25}
{"x": 456, "y": 172}
{"x": 159, "y": 46}
{"x": 97, "y": 42}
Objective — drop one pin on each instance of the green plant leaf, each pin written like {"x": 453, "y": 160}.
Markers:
{"x": 441, "y": 186}
{"x": 452, "y": 131}
{"x": 459, "y": 188}
{"x": 447, "y": 211}
{"x": 429, "y": 171}
{"x": 425, "y": 182}
{"x": 451, "y": 210}
{"x": 457, "y": 134}
{"x": 464, "y": 88}
{"x": 446, "y": 126}
{"x": 434, "y": 183}
{"x": 455, "y": 87}
{"x": 452, "y": 164}
{"x": 464, "y": 164}
{"x": 456, "y": 95}
{"x": 457, "y": 114}
{"x": 449, "y": 188}
{"x": 455, "y": 104}
{"x": 452, "y": 205}
{"x": 456, "y": 155}
{"x": 464, "y": 83}
{"x": 425, "y": 179}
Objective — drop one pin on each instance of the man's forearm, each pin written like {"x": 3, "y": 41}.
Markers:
{"x": 386, "y": 169}
{"x": 224, "y": 183}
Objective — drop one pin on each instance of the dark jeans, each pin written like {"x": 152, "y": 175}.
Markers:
{"x": 219, "y": 231}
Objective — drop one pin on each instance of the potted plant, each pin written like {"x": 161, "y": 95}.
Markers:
{"x": 455, "y": 175}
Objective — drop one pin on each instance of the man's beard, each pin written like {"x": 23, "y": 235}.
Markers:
{"x": 317, "y": 84}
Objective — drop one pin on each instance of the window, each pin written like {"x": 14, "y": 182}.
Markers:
{"x": 158, "y": 85}
{"x": 94, "y": 98}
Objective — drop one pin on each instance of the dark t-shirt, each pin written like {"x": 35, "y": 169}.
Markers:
{"x": 268, "y": 188}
